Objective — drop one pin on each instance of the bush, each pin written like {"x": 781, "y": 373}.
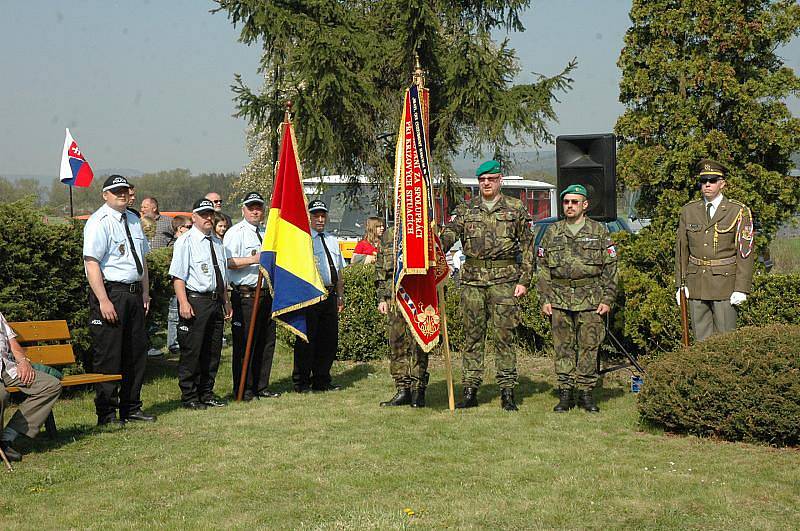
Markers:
{"x": 741, "y": 386}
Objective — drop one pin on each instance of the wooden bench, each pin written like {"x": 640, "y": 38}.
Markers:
{"x": 56, "y": 353}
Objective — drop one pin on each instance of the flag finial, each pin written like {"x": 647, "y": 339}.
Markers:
{"x": 286, "y": 116}
{"x": 419, "y": 74}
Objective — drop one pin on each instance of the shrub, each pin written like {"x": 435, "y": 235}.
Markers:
{"x": 741, "y": 386}
{"x": 158, "y": 261}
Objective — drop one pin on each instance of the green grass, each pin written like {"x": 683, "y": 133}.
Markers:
{"x": 337, "y": 460}
{"x": 785, "y": 253}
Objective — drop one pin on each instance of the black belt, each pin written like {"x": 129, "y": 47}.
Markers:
{"x": 245, "y": 292}
{"x": 202, "y": 295}
{"x": 133, "y": 287}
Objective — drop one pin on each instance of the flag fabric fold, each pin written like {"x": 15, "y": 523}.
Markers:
{"x": 420, "y": 264}
{"x": 287, "y": 254}
{"x": 75, "y": 171}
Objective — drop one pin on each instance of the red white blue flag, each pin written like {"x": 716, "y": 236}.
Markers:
{"x": 75, "y": 171}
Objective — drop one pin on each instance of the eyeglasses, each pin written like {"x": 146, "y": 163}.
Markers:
{"x": 573, "y": 201}
{"x": 712, "y": 180}
{"x": 219, "y": 201}
{"x": 488, "y": 179}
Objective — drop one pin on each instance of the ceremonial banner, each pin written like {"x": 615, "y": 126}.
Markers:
{"x": 75, "y": 171}
{"x": 420, "y": 264}
{"x": 287, "y": 254}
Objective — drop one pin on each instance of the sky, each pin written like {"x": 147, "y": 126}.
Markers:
{"x": 145, "y": 84}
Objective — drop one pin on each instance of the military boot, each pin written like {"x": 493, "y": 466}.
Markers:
{"x": 507, "y": 400}
{"x": 418, "y": 397}
{"x": 401, "y": 398}
{"x": 586, "y": 402}
{"x": 470, "y": 398}
{"x": 565, "y": 402}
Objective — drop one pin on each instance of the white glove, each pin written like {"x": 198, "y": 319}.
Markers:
{"x": 678, "y": 294}
{"x": 737, "y": 297}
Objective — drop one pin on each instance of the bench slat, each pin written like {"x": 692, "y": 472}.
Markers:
{"x": 80, "y": 379}
{"x": 29, "y": 331}
{"x": 53, "y": 355}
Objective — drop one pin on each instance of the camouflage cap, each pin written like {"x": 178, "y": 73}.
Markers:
{"x": 711, "y": 167}
{"x": 490, "y": 166}
{"x": 575, "y": 189}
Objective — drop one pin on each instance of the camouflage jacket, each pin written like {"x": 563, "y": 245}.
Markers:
{"x": 577, "y": 272}
{"x": 500, "y": 239}
{"x": 384, "y": 268}
{"x": 714, "y": 258}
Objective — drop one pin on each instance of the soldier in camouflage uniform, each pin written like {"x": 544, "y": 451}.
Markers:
{"x": 714, "y": 254}
{"x": 494, "y": 230}
{"x": 408, "y": 363}
{"x": 577, "y": 286}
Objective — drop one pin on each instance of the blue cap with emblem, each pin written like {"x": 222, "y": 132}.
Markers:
{"x": 203, "y": 205}
{"x": 253, "y": 197}
{"x": 116, "y": 181}
{"x": 317, "y": 205}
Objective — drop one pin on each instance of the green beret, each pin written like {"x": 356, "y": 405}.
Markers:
{"x": 574, "y": 189}
{"x": 490, "y": 166}
{"x": 711, "y": 167}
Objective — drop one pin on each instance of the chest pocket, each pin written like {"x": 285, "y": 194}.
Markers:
{"x": 555, "y": 254}
{"x": 473, "y": 226}
{"x": 592, "y": 252}
{"x": 504, "y": 224}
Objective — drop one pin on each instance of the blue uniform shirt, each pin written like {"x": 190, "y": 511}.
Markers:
{"x": 192, "y": 263}
{"x": 240, "y": 242}
{"x": 322, "y": 260}
{"x": 105, "y": 240}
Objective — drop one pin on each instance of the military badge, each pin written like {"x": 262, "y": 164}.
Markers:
{"x": 612, "y": 251}
{"x": 694, "y": 226}
{"x": 204, "y": 267}
{"x": 121, "y": 249}
{"x": 540, "y": 251}
{"x": 253, "y": 252}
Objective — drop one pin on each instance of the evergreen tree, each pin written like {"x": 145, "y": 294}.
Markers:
{"x": 702, "y": 78}
{"x": 345, "y": 64}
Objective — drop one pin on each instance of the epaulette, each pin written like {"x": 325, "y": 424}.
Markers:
{"x": 693, "y": 201}
{"x": 735, "y": 202}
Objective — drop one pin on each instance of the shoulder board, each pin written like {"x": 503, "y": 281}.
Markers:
{"x": 693, "y": 201}
{"x": 738, "y": 203}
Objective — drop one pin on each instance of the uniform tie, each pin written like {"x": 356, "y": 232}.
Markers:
{"x": 708, "y": 211}
{"x": 331, "y": 267}
{"x": 258, "y": 234}
{"x": 130, "y": 241}
{"x": 217, "y": 273}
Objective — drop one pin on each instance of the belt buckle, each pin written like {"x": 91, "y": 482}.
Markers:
{"x": 213, "y": 295}
{"x": 132, "y": 287}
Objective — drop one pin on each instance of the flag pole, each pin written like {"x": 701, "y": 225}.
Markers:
{"x": 254, "y": 314}
{"x": 71, "y": 213}
{"x": 419, "y": 81}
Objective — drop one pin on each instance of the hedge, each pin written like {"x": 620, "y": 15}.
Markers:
{"x": 742, "y": 386}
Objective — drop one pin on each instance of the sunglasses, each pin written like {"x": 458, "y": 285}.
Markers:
{"x": 489, "y": 179}
{"x": 712, "y": 180}
{"x": 572, "y": 201}
{"x": 217, "y": 201}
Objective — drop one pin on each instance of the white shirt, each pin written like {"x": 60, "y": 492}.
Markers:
{"x": 241, "y": 241}
{"x": 7, "y": 361}
{"x": 322, "y": 260}
{"x": 105, "y": 240}
{"x": 192, "y": 263}
{"x": 714, "y": 204}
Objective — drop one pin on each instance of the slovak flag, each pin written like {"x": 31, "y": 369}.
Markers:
{"x": 75, "y": 171}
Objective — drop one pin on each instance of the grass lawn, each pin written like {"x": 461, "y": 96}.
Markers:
{"x": 336, "y": 460}
{"x": 786, "y": 255}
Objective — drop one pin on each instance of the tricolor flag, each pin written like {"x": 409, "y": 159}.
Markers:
{"x": 287, "y": 254}
{"x": 75, "y": 171}
{"x": 420, "y": 265}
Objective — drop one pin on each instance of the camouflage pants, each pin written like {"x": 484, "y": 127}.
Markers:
{"x": 490, "y": 316}
{"x": 408, "y": 363}
{"x": 576, "y": 338}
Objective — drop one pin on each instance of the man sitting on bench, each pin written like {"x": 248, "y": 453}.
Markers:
{"x": 41, "y": 389}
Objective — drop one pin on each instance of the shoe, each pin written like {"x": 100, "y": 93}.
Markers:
{"x": 11, "y": 453}
{"x": 586, "y": 402}
{"x": 470, "y": 398}
{"x": 327, "y": 387}
{"x": 214, "y": 401}
{"x": 266, "y": 393}
{"x": 565, "y": 402}
{"x": 401, "y": 398}
{"x": 194, "y": 404}
{"x": 112, "y": 422}
{"x": 418, "y": 397}
{"x": 139, "y": 416}
{"x": 154, "y": 353}
{"x": 507, "y": 400}
{"x": 302, "y": 388}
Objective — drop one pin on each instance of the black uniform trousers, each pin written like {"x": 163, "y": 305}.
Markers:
{"x": 119, "y": 348}
{"x": 313, "y": 360}
{"x": 200, "y": 340}
{"x": 263, "y": 349}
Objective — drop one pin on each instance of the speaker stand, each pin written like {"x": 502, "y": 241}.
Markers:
{"x": 633, "y": 361}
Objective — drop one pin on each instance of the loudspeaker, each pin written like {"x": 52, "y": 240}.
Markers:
{"x": 590, "y": 160}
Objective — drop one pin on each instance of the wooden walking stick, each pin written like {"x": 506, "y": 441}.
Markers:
{"x": 5, "y": 460}
{"x": 250, "y": 334}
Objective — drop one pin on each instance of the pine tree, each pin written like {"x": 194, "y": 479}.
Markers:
{"x": 345, "y": 65}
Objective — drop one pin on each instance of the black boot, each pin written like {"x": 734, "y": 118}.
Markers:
{"x": 507, "y": 400}
{"x": 586, "y": 402}
{"x": 565, "y": 402}
{"x": 418, "y": 397}
{"x": 470, "y": 398}
{"x": 401, "y": 398}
